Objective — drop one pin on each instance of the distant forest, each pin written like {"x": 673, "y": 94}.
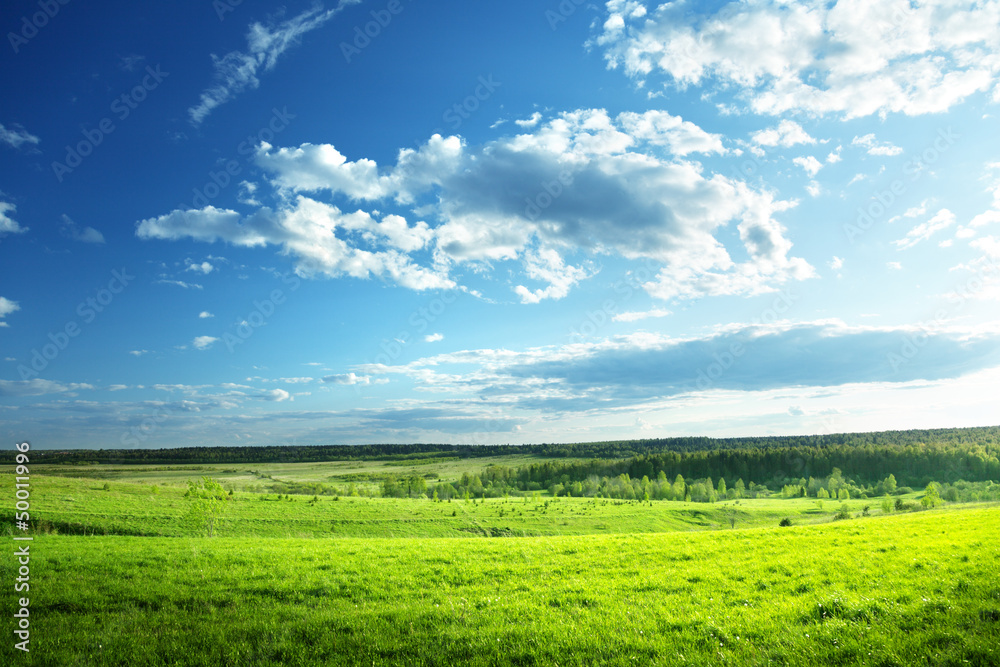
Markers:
{"x": 706, "y": 469}
{"x": 958, "y": 450}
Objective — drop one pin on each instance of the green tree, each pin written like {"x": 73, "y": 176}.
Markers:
{"x": 886, "y": 505}
{"x": 207, "y": 503}
{"x": 931, "y": 498}
{"x": 722, "y": 487}
{"x": 889, "y": 484}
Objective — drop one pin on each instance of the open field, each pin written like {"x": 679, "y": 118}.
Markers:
{"x": 130, "y": 565}
{"x": 918, "y": 588}
{"x": 337, "y": 473}
{"x": 82, "y": 506}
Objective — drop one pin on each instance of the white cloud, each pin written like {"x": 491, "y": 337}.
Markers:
{"x": 834, "y": 156}
{"x": 894, "y": 266}
{"x": 70, "y": 229}
{"x": 659, "y": 128}
{"x": 876, "y": 147}
{"x": 836, "y": 263}
{"x": 205, "y": 315}
{"x": 347, "y": 379}
{"x": 275, "y": 395}
{"x": 138, "y": 353}
{"x": 433, "y": 338}
{"x": 204, "y": 268}
{"x": 6, "y": 308}
{"x": 547, "y": 265}
{"x": 786, "y": 134}
{"x": 529, "y": 122}
{"x": 179, "y": 283}
{"x": 582, "y": 182}
{"x": 17, "y": 136}
{"x": 39, "y": 387}
{"x": 940, "y": 220}
{"x": 635, "y": 316}
{"x": 237, "y": 71}
{"x": 851, "y": 59}
{"x": 246, "y": 193}
{"x": 809, "y": 164}
{"x": 7, "y": 224}
{"x": 203, "y": 342}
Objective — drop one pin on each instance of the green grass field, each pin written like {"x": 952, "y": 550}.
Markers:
{"x": 82, "y": 506}
{"x": 125, "y": 576}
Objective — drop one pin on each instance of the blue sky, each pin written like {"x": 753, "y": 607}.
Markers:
{"x": 249, "y": 223}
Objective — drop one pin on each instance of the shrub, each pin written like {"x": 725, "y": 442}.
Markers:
{"x": 785, "y": 522}
{"x": 843, "y": 513}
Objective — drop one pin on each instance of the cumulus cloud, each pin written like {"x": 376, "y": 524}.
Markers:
{"x": 433, "y": 338}
{"x": 529, "y": 122}
{"x": 809, "y": 164}
{"x": 7, "y": 224}
{"x": 204, "y": 315}
{"x": 6, "y": 308}
{"x": 203, "y": 342}
{"x": 845, "y": 58}
{"x": 786, "y": 134}
{"x": 237, "y": 71}
{"x": 16, "y": 136}
{"x": 203, "y": 268}
{"x": 581, "y": 183}
{"x": 274, "y": 395}
{"x": 71, "y": 230}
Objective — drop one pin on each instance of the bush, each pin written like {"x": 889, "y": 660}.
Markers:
{"x": 785, "y": 522}
{"x": 902, "y": 490}
{"x": 843, "y": 513}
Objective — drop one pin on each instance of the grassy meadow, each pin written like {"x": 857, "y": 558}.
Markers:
{"x": 122, "y": 573}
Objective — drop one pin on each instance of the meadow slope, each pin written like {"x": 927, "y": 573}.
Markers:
{"x": 909, "y": 589}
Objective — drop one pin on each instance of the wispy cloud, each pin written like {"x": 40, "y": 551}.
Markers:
{"x": 16, "y": 136}
{"x": 237, "y": 71}
{"x": 875, "y": 147}
{"x": 71, "y": 230}
{"x": 643, "y": 315}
